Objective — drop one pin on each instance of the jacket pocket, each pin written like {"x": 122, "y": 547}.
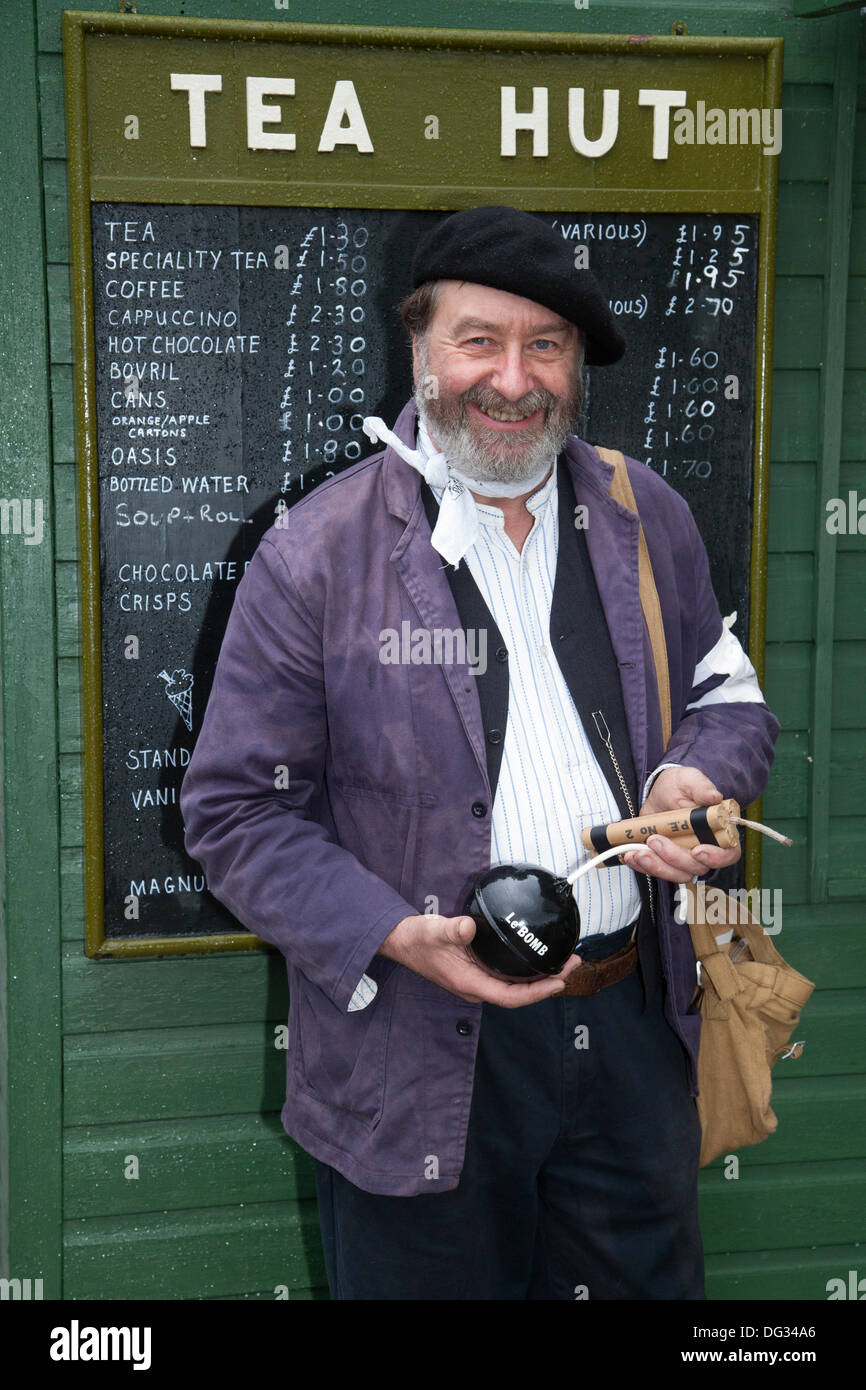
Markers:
{"x": 381, "y": 829}
{"x": 339, "y": 1057}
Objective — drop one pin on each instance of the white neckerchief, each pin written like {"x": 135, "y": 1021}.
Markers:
{"x": 456, "y": 529}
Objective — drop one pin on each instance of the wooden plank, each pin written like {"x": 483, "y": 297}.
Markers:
{"x": 56, "y": 211}
{"x": 30, "y": 1041}
{"x": 72, "y": 893}
{"x": 851, "y": 611}
{"x": 51, "y": 105}
{"x": 60, "y": 324}
{"x": 847, "y": 869}
{"x": 795, "y": 405}
{"x": 790, "y": 584}
{"x": 847, "y": 773}
{"x": 68, "y": 628}
{"x": 192, "y": 1255}
{"x": 849, "y": 681}
{"x": 792, "y": 509}
{"x": 782, "y": 1205}
{"x": 788, "y": 788}
{"x": 785, "y": 1275}
{"x": 852, "y": 472}
{"x": 802, "y": 229}
{"x": 242, "y": 987}
{"x": 790, "y": 774}
{"x": 787, "y": 871}
{"x": 182, "y": 1165}
{"x": 152, "y": 1073}
{"x": 858, "y": 231}
{"x": 786, "y": 676}
{"x": 71, "y": 776}
{"x": 783, "y": 867}
{"x": 855, "y": 333}
{"x": 807, "y": 131}
{"x": 62, "y": 414}
{"x": 797, "y": 318}
{"x": 69, "y": 705}
{"x": 853, "y": 442}
{"x": 807, "y": 96}
{"x": 65, "y": 512}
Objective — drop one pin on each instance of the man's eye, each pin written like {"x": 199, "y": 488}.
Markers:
{"x": 480, "y": 340}
{"x": 544, "y": 343}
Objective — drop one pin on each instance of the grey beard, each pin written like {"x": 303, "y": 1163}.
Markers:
{"x": 503, "y": 460}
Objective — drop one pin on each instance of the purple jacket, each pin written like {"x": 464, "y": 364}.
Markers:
{"x": 330, "y": 795}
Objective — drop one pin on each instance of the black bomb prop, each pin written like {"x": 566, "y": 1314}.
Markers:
{"x": 526, "y": 919}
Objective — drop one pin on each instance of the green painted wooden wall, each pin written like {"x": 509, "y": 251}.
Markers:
{"x": 174, "y": 1061}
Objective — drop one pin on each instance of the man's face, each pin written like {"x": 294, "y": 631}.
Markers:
{"x": 508, "y": 376}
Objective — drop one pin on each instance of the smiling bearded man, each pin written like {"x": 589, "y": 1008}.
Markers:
{"x": 476, "y": 1138}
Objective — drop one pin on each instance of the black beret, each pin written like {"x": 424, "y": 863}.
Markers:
{"x": 516, "y": 251}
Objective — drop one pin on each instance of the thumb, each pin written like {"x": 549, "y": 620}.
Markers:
{"x": 459, "y": 930}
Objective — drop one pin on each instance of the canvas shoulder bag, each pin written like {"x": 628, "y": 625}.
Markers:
{"x": 749, "y": 997}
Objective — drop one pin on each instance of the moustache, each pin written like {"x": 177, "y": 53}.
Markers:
{"x": 487, "y": 399}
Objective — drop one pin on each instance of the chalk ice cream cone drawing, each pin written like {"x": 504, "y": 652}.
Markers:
{"x": 179, "y": 691}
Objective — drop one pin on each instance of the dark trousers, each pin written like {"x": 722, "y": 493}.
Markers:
{"x": 580, "y": 1176}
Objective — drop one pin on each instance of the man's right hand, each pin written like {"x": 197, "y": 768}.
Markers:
{"x": 435, "y": 947}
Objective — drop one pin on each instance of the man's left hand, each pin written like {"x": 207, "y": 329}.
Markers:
{"x": 674, "y": 788}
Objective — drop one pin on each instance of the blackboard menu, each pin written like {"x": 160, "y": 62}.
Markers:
{"x": 237, "y": 351}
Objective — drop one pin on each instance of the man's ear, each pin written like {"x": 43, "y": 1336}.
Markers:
{"x": 416, "y": 361}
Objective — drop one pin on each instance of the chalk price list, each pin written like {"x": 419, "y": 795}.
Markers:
{"x": 685, "y": 409}
{"x": 323, "y": 399}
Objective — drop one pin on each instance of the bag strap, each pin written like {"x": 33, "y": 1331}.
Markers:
{"x": 703, "y": 939}
{"x": 621, "y": 491}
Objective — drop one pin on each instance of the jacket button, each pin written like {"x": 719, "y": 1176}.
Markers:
{"x": 494, "y": 736}
{"x": 479, "y": 809}
{"x": 502, "y": 654}
{"x": 464, "y": 1027}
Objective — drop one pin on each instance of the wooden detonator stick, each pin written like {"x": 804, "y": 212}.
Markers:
{"x": 689, "y": 826}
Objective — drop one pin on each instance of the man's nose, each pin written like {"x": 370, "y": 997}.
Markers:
{"x": 511, "y": 376}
